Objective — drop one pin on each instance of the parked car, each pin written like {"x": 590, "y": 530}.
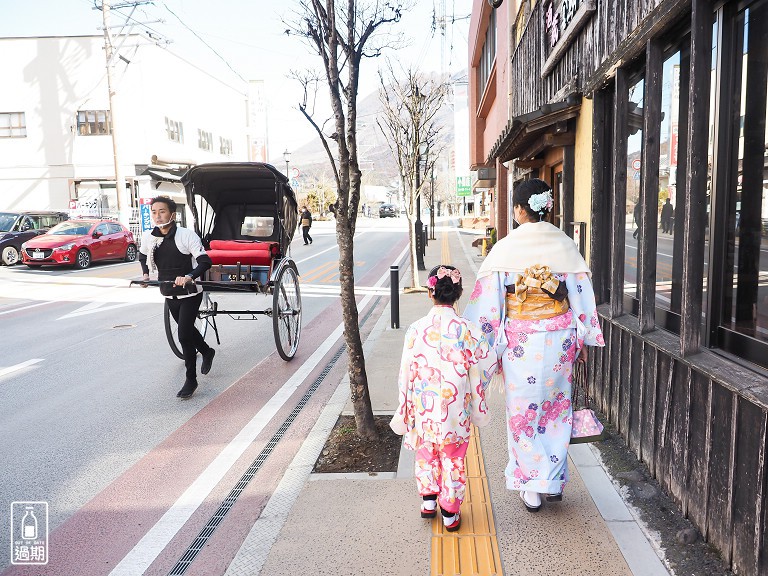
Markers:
{"x": 79, "y": 242}
{"x": 387, "y": 211}
{"x": 18, "y": 227}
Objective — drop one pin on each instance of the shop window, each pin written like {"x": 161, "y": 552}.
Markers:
{"x": 634, "y": 164}
{"x": 94, "y": 122}
{"x": 487, "y": 56}
{"x": 13, "y": 125}
{"x": 745, "y": 278}
{"x": 671, "y": 194}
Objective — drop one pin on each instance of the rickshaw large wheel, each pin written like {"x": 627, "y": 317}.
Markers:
{"x": 172, "y": 329}
{"x": 286, "y": 312}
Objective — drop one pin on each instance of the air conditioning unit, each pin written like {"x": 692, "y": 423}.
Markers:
{"x": 486, "y": 173}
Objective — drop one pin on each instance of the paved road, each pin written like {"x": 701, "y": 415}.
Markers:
{"x": 88, "y": 383}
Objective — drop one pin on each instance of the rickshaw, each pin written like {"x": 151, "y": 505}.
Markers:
{"x": 246, "y": 215}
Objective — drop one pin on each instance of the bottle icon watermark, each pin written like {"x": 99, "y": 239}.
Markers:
{"x": 29, "y": 533}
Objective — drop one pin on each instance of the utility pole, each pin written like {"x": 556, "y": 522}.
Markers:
{"x": 418, "y": 228}
{"x": 123, "y": 206}
{"x": 432, "y": 203}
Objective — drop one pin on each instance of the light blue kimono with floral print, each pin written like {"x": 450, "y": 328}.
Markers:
{"x": 536, "y": 357}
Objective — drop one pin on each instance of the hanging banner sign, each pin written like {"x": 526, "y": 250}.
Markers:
{"x": 563, "y": 19}
{"x": 145, "y": 214}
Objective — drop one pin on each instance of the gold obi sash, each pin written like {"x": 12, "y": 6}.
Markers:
{"x": 530, "y": 301}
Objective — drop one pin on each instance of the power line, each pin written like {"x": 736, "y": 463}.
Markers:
{"x": 204, "y": 42}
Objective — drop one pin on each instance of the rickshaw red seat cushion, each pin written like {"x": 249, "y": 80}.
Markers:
{"x": 242, "y": 245}
{"x": 230, "y": 252}
{"x": 245, "y": 257}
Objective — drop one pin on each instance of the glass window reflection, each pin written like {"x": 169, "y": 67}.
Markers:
{"x": 746, "y": 290}
{"x": 634, "y": 164}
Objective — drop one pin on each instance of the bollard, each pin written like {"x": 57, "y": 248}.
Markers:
{"x": 394, "y": 303}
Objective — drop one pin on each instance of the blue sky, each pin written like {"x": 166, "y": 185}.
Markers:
{"x": 250, "y": 36}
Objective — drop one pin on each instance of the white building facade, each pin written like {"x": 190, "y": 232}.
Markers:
{"x": 55, "y": 131}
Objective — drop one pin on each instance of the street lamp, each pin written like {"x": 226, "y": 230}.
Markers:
{"x": 287, "y": 158}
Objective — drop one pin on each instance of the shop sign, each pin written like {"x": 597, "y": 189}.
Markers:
{"x": 563, "y": 19}
{"x": 463, "y": 185}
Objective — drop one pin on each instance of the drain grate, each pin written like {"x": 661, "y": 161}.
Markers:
{"x": 202, "y": 538}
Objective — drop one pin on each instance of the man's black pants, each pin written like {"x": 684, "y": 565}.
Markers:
{"x": 184, "y": 311}
{"x": 305, "y": 233}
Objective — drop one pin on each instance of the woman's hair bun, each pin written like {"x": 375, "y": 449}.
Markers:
{"x": 534, "y": 196}
{"x": 445, "y": 283}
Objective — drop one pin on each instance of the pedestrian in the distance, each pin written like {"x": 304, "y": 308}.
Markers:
{"x": 636, "y": 214}
{"x": 535, "y": 303}
{"x": 306, "y": 224}
{"x": 445, "y": 368}
{"x": 667, "y": 214}
{"x": 176, "y": 254}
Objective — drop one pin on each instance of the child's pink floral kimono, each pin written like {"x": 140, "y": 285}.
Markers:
{"x": 445, "y": 370}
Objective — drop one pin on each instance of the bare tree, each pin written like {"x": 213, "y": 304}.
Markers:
{"x": 411, "y": 127}
{"x": 343, "y": 35}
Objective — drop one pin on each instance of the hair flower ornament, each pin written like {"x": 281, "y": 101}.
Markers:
{"x": 442, "y": 272}
{"x": 541, "y": 202}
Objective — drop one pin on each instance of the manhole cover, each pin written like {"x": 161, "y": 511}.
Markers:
{"x": 123, "y": 326}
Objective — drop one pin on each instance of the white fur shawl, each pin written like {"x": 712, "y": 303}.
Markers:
{"x": 531, "y": 244}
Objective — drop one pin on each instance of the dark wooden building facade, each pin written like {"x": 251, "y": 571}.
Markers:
{"x": 677, "y": 97}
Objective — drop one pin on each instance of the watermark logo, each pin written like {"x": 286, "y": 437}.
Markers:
{"x": 29, "y": 533}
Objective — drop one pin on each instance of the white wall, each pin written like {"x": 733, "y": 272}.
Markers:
{"x": 50, "y": 79}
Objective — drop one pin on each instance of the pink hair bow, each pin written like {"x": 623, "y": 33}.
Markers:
{"x": 442, "y": 272}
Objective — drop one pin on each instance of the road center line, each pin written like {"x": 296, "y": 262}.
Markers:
{"x": 138, "y": 560}
{"x": 17, "y": 367}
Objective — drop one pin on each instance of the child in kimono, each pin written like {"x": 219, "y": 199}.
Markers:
{"x": 445, "y": 369}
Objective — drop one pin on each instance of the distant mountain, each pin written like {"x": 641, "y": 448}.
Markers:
{"x": 376, "y": 160}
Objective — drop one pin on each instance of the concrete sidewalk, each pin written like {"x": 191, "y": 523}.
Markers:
{"x": 359, "y": 524}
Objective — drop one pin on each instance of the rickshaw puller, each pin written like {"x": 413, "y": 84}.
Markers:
{"x": 178, "y": 255}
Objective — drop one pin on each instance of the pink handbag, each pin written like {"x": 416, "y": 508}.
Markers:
{"x": 586, "y": 427}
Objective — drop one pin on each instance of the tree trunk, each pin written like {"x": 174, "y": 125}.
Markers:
{"x": 358, "y": 379}
{"x": 318, "y": 23}
{"x": 415, "y": 282}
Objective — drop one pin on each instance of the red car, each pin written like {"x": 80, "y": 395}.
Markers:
{"x": 78, "y": 243}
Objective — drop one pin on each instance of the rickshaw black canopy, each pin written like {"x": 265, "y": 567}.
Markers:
{"x": 241, "y": 201}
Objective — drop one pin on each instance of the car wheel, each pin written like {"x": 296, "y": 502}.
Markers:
{"x": 10, "y": 255}
{"x": 130, "y": 253}
{"x": 82, "y": 259}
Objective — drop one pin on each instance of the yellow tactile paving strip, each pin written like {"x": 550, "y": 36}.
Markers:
{"x": 473, "y": 549}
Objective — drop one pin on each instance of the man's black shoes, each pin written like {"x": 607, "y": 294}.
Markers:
{"x": 188, "y": 389}
{"x": 205, "y": 367}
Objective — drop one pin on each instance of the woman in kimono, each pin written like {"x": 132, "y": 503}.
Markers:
{"x": 534, "y": 301}
{"x": 445, "y": 369}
